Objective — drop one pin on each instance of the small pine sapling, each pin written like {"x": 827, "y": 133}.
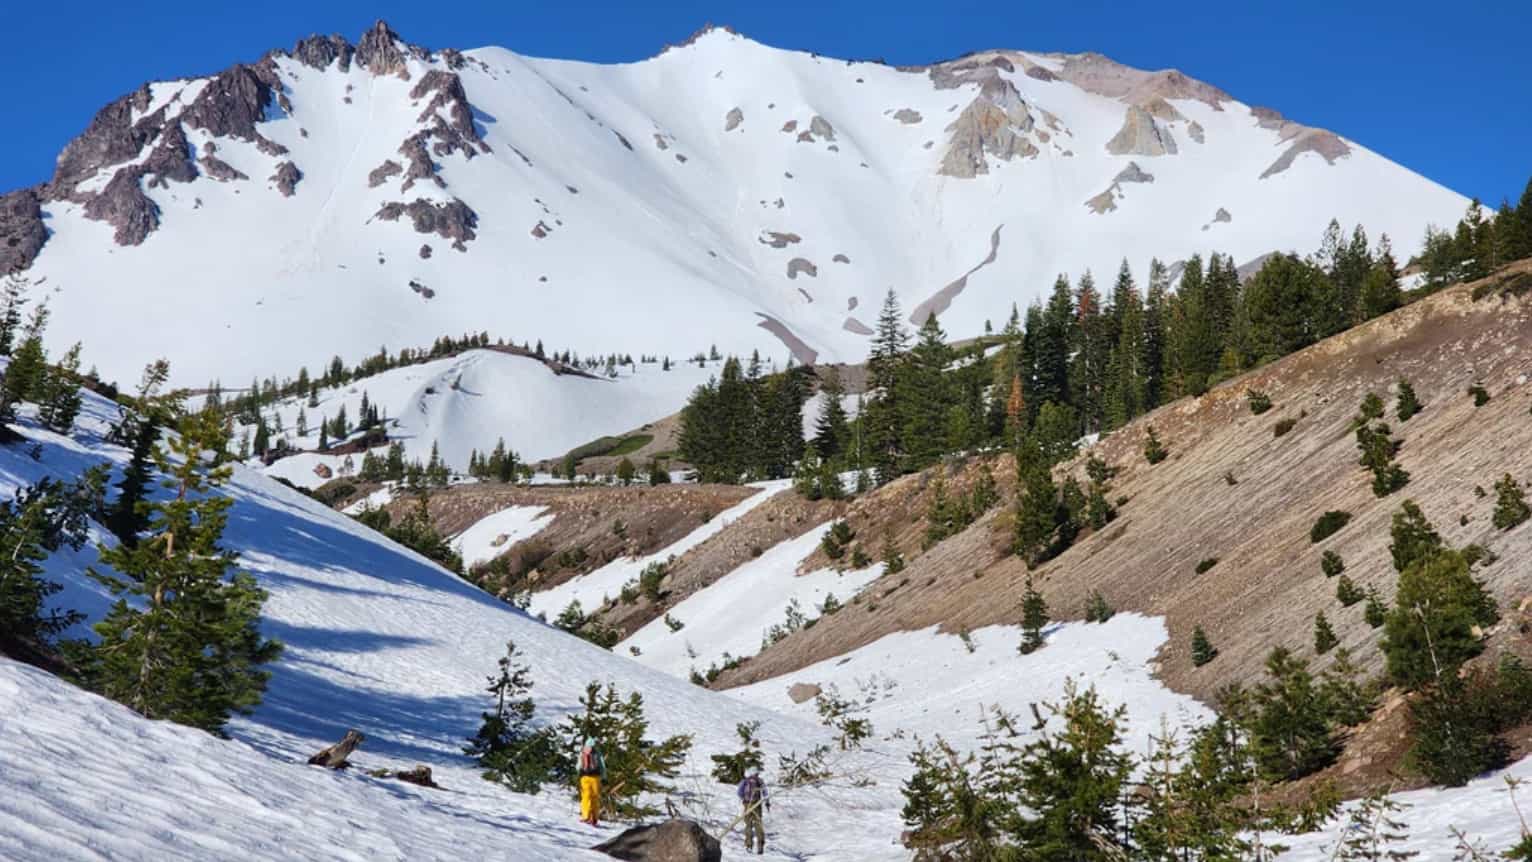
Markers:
{"x": 1203, "y": 650}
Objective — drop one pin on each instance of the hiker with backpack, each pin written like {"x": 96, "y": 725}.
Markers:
{"x": 752, "y": 794}
{"x": 592, "y": 773}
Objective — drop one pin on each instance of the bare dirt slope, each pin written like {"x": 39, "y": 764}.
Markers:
{"x": 1267, "y": 586}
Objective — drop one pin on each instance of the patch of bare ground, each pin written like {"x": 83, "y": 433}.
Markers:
{"x": 1267, "y": 586}
{"x": 785, "y": 516}
{"x": 589, "y": 527}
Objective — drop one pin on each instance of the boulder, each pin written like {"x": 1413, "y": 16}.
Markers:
{"x": 732, "y": 120}
{"x": 671, "y": 841}
{"x": 803, "y": 691}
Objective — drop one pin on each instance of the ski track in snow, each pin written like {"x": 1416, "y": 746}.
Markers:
{"x": 381, "y": 640}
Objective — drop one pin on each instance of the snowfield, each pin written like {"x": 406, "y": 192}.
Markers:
{"x": 491, "y": 535}
{"x": 383, "y": 641}
{"x": 629, "y": 208}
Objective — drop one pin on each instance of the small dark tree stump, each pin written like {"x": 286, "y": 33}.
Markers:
{"x": 335, "y": 756}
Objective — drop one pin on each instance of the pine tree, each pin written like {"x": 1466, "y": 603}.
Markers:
{"x": 14, "y": 292}
{"x": 1373, "y": 831}
{"x": 1154, "y": 451}
{"x": 1034, "y": 616}
{"x": 128, "y": 516}
{"x": 1203, "y": 650}
{"x": 832, "y": 432}
{"x": 38, "y": 520}
{"x": 1440, "y": 611}
{"x": 1331, "y": 564}
{"x": 1375, "y": 612}
{"x": 1510, "y": 504}
{"x": 508, "y": 747}
{"x": 24, "y": 375}
{"x": 182, "y": 642}
{"x": 1156, "y": 334}
{"x": 1036, "y": 504}
{"x": 1407, "y": 405}
{"x": 880, "y": 417}
{"x": 1292, "y": 733}
{"x": 59, "y": 393}
{"x": 923, "y": 398}
{"x": 1413, "y": 537}
{"x": 729, "y": 769}
{"x": 626, "y": 471}
{"x": 1096, "y": 608}
{"x": 1347, "y": 592}
{"x": 638, "y": 769}
{"x": 1324, "y": 635}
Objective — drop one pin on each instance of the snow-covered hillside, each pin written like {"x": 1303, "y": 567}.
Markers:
{"x": 333, "y": 198}
{"x": 468, "y": 401}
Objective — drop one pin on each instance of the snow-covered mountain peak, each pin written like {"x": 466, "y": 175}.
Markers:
{"x": 340, "y": 195}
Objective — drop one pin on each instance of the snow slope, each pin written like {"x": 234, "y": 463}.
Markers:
{"x": 692, "y": 198}
{"x": 483, "y": 541}
{"x": 469, "y": 401}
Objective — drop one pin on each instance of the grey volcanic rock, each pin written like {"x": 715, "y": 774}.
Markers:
{"x": 732, "y": 120}
{"x": 421, "y": 167}
{"x": 851, "y": 324}
{"x": 803, "y": 265}
{"x": 378, "y": 52}
{"x": 800, "y": 692}
{"x": 1133, "y": 174}
{"x": 425, "y": 251}
{"x": 995, "y": 123}
{"x": 821, "y": 127}
{"x": 790, "y": 126}
{"x": 840, "y": 258}
{"x": 22, "y": 232}
{"x": 286, "y": 178}
{"x": 219, "y": 169}
{"x": 1222, "y": 216}
{"x": 171, "y": 159}
{"x": 458, "y": 131}
{"x": 233, "y": 102}
{"x": 780, "y": 240}
{"x": 319, "y": 52}
{"x": 671, "y": 841}
{"x": 1140, "y": 135}
{"x": 1327, "y": 144}
{"x": 659, "y": 141}
{"x": 1098, "y": 74}
{"x": 380, "y": 174}
{"x": 453, "y": 220}
{"x": 1104, "y": 202}
{"x": 907, "y": 116}
{"x": 1160, "y": 109}
{"x": 111, "y": 138}
{"x": 1195, "y": 130}
{"x": 124, "y": 206}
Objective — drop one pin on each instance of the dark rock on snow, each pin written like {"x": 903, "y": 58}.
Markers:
{"x": 124, "y": 206}
{"x": 22, "y": 232}
{"x": 286, "y": 178}
{"x": 453, "y": 220}
{"x": 671, "y": 841}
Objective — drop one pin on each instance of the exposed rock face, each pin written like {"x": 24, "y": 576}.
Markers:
{"x": 940, "y": 301}
{"x": 1140, "y": 135}
{"x": 319, "y": 52}
{"x": 1133, "y": 174}
{"x": 803, "y": 265}
{"x": 790, "y": 126}
{"x": 1195, "y": 130}
{"x": 659, "y": 141}
{"x": 907, "y": 116}
{"x": 671, "y": 841}
{"x": 453, "y": 220}
{"x": 457, "y": 132}
{"x": 851, "y": 324}
{"x": 22, "y": 232}
{"x": 425, "y": 251}
{"x": 286, "y": 178}
{"x": 1097, "y": 74}
{"x": 995, "y": 123}
{"x": 233, "y": 102}
{"x": 1106, "y": 201}
{"x": 111, "y": 138}
{"x": 840, "y": 258}
{"x": 378, "y": 52}
{"x": 171, "y": 159}
{"x": 780, "y": 240}
{"x": 421, "y": 167}
{"x": 1222, "y": 215}
{"x": 1304, "y": 139}
{"x": 822, "y": 128}
{"x": 219, "y": 169}
{"x": 124, "y": 206}
{"x": 732, "y": 120}
{"x": 381, "y": 173}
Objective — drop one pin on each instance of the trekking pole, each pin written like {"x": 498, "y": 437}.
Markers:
{"x": 742, "y": 815}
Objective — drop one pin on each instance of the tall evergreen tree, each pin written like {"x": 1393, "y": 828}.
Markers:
{"x": 1157, "y": 317}
{"x": 832, "y": 432}
{"x": 1034, "y": 617}
{"x": 1054, "y": 336}
{"x": 882, "y": 411}
{"x": 182, "y": 642}
{"x": 24, "y": 376}
{"x": 1091, "y": 353}
{"x": 13, "y": 293}
{"x": 1440, "y": 611}
{"x": 924, "y": 397}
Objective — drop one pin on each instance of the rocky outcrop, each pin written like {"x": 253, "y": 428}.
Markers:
{"x": 1141, "y": 135}
{"x": 453, "y": 220}
{"x": 732, "y": 120}
{"x": 1103, "y": 76}
{"x": 851, "y": 324}
{"x": 456, "y": 131}
{"x": 378, "y": 52}
{"x": 840, "y": 258}
{"x": 425, "y": 251}
{"x": 1300, "y": 139}
{"x": 1222, "y": 216}
{"x": 22, "y": 233}
{"x": 380, "y": 174}
{"x": 940, "y": 301}
{"x": 233, "y": 102}
{"x": 171, "y": 159}
{"x": 907, "y": 116}
{"x": 419, "y": 158}
{"x": 780, "y": 240}
{"x": 124, "y": 206}
{"x": 111, "y": 138}
{"x": 995, "y": 123}
{"x": 803, "y": 265}
{"x": 319, "y": 52}
{"x": 219, "y": 169}
{"x": 671, "y": 841}
{"x": 821, "y": 127}
{"x": 1195, "y": 130}
{"x": 1106, "y": 201}
{"x": 286, "y": 178}
{"x": 1133, "y": 174}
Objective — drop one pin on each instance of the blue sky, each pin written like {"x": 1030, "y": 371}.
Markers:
{"x": 1444, "y": 89}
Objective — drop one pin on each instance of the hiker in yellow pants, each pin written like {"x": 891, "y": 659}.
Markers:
{"x": 592, "y": 773}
